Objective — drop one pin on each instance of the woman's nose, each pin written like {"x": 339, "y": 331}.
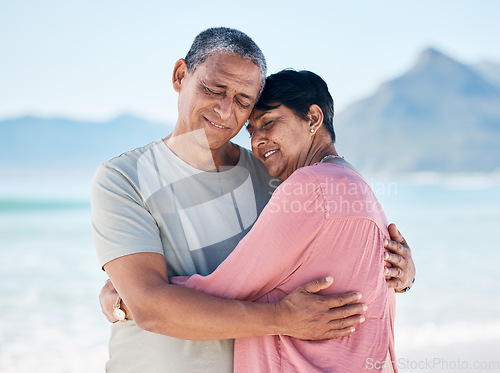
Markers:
{"x": 258, "y": 138}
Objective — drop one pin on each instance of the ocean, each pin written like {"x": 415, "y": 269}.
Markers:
{"x": 50, "y": 277}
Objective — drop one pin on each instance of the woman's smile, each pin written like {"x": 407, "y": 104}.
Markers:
{"x": 269, "y": 153}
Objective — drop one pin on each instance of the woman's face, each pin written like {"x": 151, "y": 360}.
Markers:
{"x": 280, "y": 139}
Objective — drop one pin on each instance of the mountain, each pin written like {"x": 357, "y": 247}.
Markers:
{"x": 490, "y": 71}
{"x": 441, "y": 115}
{"x": 60, "y": 144}
{"x": 41, "y": 143}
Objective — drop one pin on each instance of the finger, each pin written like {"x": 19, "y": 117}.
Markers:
{"x": 317, "y": 285}
{"x": 396, "y": 247}
{"x": 394, "y": 283}
{"x": 108, "y": 284}
{"x": 347, "y": 311}
{"x": 394, "y": 259}
{"x": 393, "y": 272}
{"x": 348, "y": 322}
{"x": 339, "y": 300}
{"x": 395, "y": 234}
{"x": 331, "y": 334}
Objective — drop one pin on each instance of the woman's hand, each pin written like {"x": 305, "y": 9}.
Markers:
{"x": 400, "y": 269}
{"x": 107, "y": 298}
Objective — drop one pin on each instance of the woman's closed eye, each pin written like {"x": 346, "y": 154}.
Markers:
{"x": 265, "y": 126}
{"x": 268, "y": 125}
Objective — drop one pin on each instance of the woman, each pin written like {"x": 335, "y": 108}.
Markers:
{"x": 322, "y": 219}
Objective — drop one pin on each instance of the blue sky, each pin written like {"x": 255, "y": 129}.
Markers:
{"x": 97, "y": 59}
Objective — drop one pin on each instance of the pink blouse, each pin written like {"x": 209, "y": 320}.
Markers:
{"x": 323, "y": 220}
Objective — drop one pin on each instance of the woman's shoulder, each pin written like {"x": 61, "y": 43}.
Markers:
{"x": 325, "y": 178}
{"x": 336, "y": 182}
{"x": 304, "y": 175}
{"x": 320, "y": 173}
{"x": 301, "y": 184}
{"x": 341, "y": 172}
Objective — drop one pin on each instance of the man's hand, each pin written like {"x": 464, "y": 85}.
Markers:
{"x": 400, "y": 271}
{"x": 305, "y": 315}
{"x": 107, "y": 298}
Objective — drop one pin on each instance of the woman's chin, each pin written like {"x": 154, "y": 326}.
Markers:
{"x": 272, "y": 172}
{"x": 276, "y": 169}
{"x": 276, "y": 173}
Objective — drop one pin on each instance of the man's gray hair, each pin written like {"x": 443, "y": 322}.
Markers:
{"x": 224, "y": 39}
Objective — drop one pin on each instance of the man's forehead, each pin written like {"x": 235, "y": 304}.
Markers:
{"x": 228, "y": 57}
{"x": 231, "y": 65}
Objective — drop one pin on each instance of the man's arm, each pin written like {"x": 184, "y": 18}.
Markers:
{"x": 142, "y": 281}
{"x": 344, "y": 318}
{"x": 401, "y": 273}
{"x": 155, "y": 305}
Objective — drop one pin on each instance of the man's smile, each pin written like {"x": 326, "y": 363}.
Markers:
{"x": 217, "y": 126}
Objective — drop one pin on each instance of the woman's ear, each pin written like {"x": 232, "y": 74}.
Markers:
{"x": 315, "y": 118}
{"x": 180, "y": 72}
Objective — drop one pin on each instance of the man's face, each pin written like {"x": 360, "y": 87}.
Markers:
{"x": 217, "y": 97}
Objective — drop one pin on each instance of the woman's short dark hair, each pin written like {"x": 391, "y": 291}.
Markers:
{"x": 298, "y": 90}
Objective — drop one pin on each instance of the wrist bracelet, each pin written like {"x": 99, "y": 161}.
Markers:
{"x": 118, "y": 311}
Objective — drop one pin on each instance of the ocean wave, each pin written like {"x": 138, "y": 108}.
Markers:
{"x": 29, "y": 205}
{"x": 434, "y": 334}
{"x": 462, "y": 181}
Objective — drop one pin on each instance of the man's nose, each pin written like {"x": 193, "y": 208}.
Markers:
{"x": 224, "y": 107}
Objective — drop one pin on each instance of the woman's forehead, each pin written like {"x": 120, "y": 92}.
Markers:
{"x": 260, "y": 114}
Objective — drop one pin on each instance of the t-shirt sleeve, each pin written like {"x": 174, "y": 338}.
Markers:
{"x": 121, "y": 224}
{"x": 278, "y": 243}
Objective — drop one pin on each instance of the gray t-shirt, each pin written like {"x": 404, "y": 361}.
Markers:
{"x": 149, "y": 200}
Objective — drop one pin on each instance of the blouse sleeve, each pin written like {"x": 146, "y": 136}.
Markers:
{"x": 277, "y": 244}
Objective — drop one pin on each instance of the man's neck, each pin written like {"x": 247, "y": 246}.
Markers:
{"x": 202, "y": 157}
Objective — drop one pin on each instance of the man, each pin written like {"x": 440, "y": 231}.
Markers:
{"x": 179, "y": 206}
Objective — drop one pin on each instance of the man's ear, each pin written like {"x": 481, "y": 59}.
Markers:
{"x": 315, "y": 117}
{"x": 180, "y": 72}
